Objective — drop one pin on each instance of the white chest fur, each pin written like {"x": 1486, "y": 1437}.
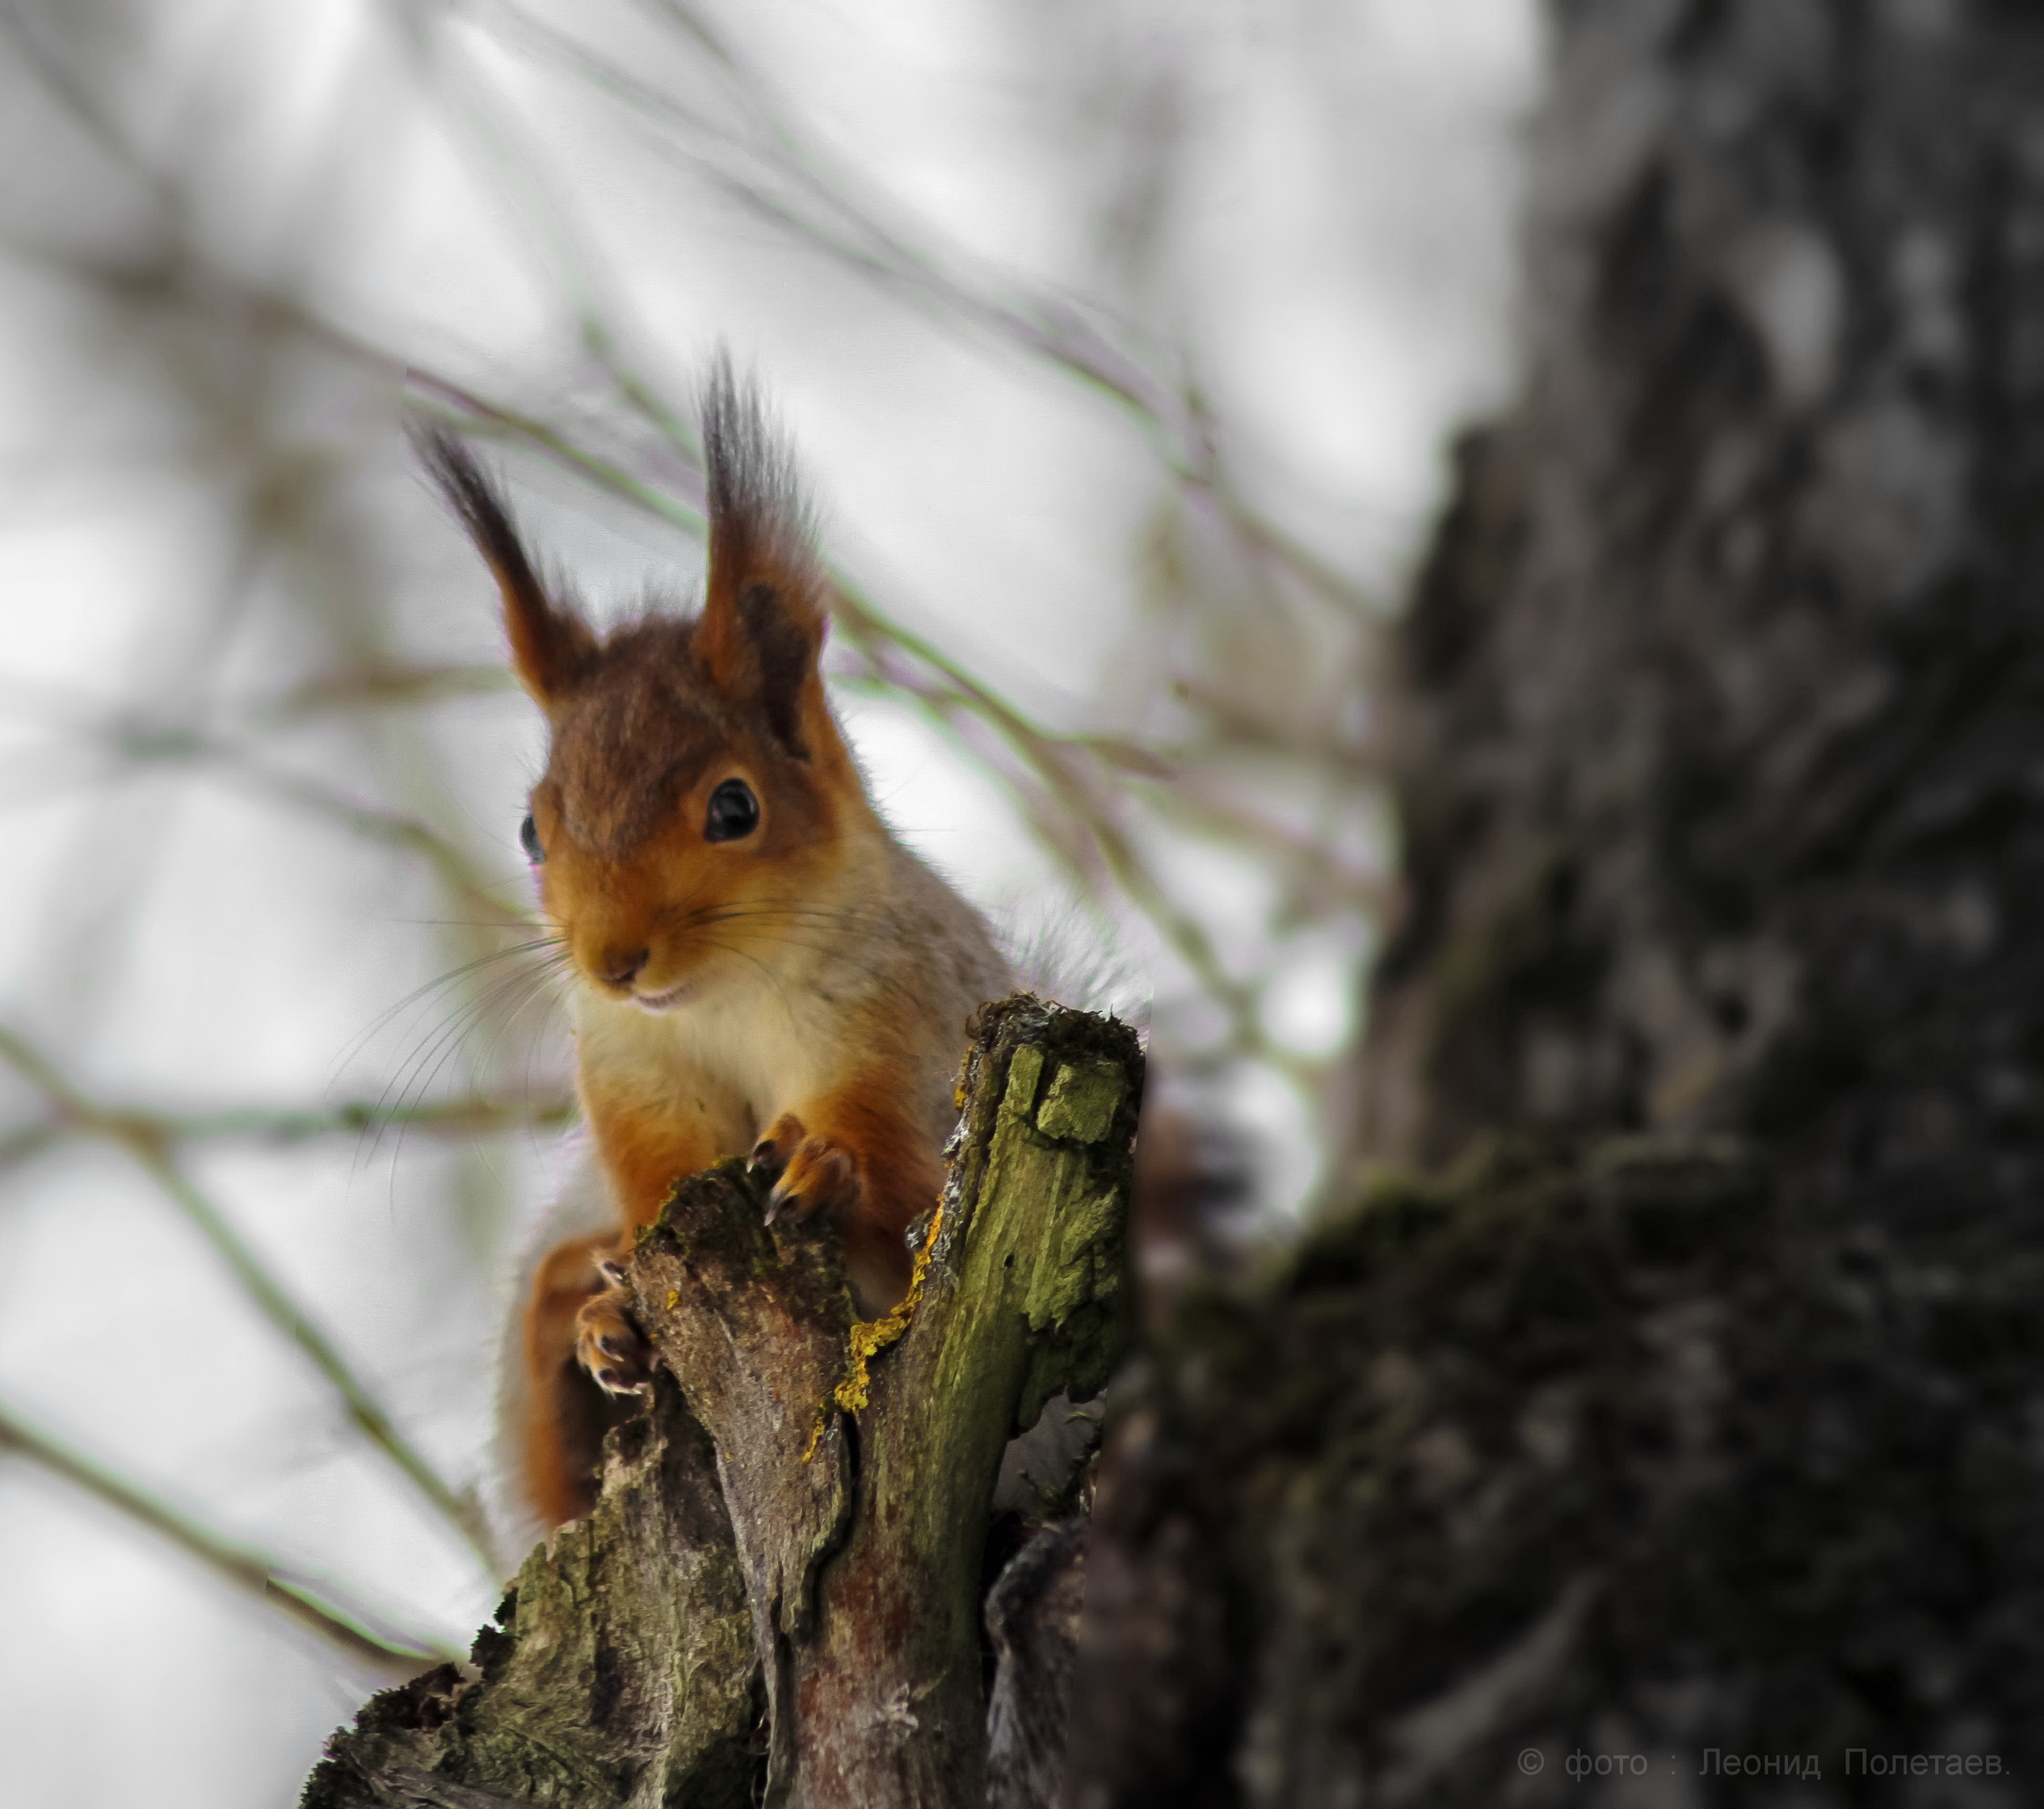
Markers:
{"x": 746, "y": 1052}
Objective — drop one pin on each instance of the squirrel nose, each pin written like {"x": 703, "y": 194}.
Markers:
{"x": 620, "y": 967}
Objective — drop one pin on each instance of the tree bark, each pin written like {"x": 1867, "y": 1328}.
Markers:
{"x": 778, "y": 1596}
{"x": 1688, "y": 1415}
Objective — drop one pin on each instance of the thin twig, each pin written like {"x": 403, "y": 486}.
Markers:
{"x": 373, "y": 822}
{"x": 143, "y": 743}
{"x": 375, "y": 687}
{"x": 270, "y": 1296}
{"x": 1058, "y": 330}
{"x": 397, "y": 1655}
{"x": 471, "y": 1115}
{"x": 1068, "y": 777}
{"x": 896, "y": 657}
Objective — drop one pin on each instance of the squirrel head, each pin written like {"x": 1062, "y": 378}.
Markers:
{"x": 699, "y": 801}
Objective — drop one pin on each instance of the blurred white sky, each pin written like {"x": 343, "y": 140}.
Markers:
{"x": 1338, "y": 180}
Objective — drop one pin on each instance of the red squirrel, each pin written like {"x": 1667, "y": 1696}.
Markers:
{"x": 762, "y": 969}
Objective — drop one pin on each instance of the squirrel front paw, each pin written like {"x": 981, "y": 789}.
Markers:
{"x": 808, "y": 1172}
{"x": 608, "y": 1342}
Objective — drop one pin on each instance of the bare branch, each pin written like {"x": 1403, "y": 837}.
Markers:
{"x": 376, "y": 686}
{"x": 828, "y": 210}
{"x": 393, "y": 828}
{"x": 1071, "y": 789}
{"x": 141, "y": 743}
{"x": 1066, "y": 784}
{"x": 468, "y": 1116}
{"x": 242, "y": 1567}
{"x": 270, "y": 1295}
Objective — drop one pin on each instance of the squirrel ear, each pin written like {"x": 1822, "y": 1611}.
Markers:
{"x": 551, "y": 645}
{"x": 763, "y": 616}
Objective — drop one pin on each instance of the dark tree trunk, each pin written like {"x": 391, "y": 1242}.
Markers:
{"x": 1690, "y": 1424}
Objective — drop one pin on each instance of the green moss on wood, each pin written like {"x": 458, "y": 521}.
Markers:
{"x": 622, "y": 1672}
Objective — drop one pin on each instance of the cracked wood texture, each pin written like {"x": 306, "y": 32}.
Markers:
{"x": 1695, "y": 1400}
{"x": 778, "y": 1598}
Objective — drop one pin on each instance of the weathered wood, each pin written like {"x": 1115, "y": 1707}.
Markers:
{"x": 1028, "y": 1293}
{"x": 620, "y": 1674}
{"x": 795, "y": 1533}
{"x": 1033, "y": 1617}
{"x": 1023, "y": 1290}
{"x": 757, "y": 1323}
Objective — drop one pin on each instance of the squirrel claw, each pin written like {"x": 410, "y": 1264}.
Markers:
{"x": 786, "y": 1204}
{"x": 608, "y": 1342}
{"x": 771, "y": 1154}
{"x": 818, "y": 1174}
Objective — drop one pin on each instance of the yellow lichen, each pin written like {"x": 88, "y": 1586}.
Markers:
{"x": 870, "y": 1337}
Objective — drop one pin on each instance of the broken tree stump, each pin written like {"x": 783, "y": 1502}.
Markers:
{"x": 778, "y": 1597}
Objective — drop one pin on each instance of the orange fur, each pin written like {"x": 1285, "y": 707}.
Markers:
{"x": 565, "y": 1413}
{"x": 855, "y": 1153}
{"x": 797, "y": 991}
{"x": 646, "y": 1144}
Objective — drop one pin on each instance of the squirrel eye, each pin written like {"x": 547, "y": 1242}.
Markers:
{"x": 734, "y": 812}
{"x": 528, "y": 839}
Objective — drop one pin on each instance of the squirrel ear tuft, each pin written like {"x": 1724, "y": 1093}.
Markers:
{"x": 551, "y": 645}
{"x": 763, "y": 613}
